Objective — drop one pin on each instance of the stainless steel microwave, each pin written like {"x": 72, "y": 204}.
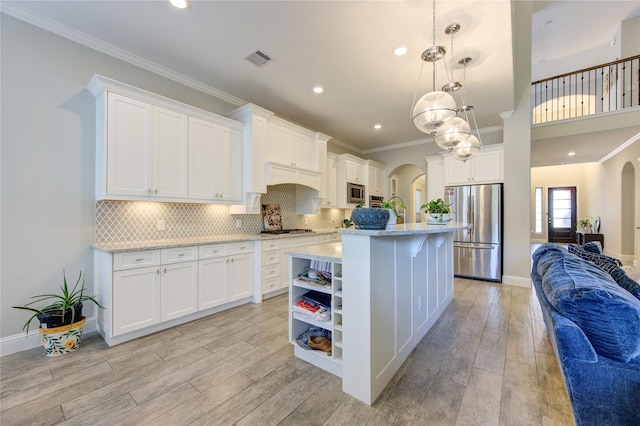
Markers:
{"x": 355, "y": 193}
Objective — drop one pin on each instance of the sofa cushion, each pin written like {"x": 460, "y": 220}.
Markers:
{"x": 608, "y": 315}
{"x": 605, "y": 262}
{"x": 626, "y": 282}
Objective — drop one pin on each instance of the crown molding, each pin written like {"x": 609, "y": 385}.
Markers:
{"x": 23, "y": 14}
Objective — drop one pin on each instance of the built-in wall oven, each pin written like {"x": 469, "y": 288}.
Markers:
{"x": 355, "y": 193}
{"x": 376, "y": 201}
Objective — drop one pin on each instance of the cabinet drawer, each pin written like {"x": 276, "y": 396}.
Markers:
{"x": 135, "y": 259}
{"x": 270, "y": 257}
{"x": 241, "y": 247}
{"x": 298, "y": 241}
{"x": 270, "y": 272}
{"x": 271, "y": 284}
{"x": 214, "y": 250}
{"x": 179, "y": 254}
{"x": 270, "y": 245}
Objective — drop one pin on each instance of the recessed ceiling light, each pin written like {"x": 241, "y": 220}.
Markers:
{"x": 318, "y": 89}
{"x": 400, "y": 50}
{"x": 377, "y": 126}
{"x": 180, "y": 4}
{"x": 571, "y": 154}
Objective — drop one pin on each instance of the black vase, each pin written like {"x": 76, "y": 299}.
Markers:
{"x": 53, "y": 319}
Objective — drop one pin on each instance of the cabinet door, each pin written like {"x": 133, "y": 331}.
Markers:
{"x": 456, "y": 171}
{"x": 487, "y": 167}
{"x": 332, "y": 183}
{"x": 170, "y": 153}
{"x": 303, "y": 152}
{"x": 240, "y": 276}
{"x": 136, "y": 299}
{"x": 278, "y": 146}
{"x": 375, "y": 181}
{"x": 213, "y": 279}
{"x": 203, "y": 170}
{"x": 229, "y": 164}
{"x": 179, "y": 290}
{"x": 355, "y": 172}
{"x": 129, "y": 146}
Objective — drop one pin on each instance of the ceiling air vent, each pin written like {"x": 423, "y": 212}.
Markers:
{"x": 259, "y": 58}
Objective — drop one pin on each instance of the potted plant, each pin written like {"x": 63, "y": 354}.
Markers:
{"x": 437, "y": 211}
{"x": 392, "y": 205}
{"x": 61, "y": 320}
{"x": 584, "y": 225}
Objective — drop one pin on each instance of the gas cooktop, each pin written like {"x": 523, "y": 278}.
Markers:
{"x": 287, "y": 231}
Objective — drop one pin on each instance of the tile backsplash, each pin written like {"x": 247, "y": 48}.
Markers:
{"x": 127, "y": 221}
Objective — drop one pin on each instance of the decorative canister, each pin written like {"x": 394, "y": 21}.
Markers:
{"x": 62, "y": 340}
{"x": 370, "y": 218}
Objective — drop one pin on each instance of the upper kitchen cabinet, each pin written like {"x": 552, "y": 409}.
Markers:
{"x": 291, "y": 145}
{"x": 145, "y": 151}
{"x": 329, "y": 184}
{"x": 375, "y": 173}
{"x": 485, "y": 167}
{"x": 143, "y": 148}
{"x": 215, "y": 162}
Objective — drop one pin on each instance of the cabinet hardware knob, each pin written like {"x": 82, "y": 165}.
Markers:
{"x": 139, "y": 260}
{"x": 181, "y": 254}
{"x": 231, "y": 260}
{"x": 165, "y": 270}
{"x": 156, "y": 191}
{"x": 149, "y": 191}
{"x": 157, "y": 271}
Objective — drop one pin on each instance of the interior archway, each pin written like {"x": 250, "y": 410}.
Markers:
{"x": 405, "y": 180}
{"x": 627, "y": 211}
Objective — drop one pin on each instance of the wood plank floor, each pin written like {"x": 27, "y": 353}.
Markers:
{"x": 487, "y": 361}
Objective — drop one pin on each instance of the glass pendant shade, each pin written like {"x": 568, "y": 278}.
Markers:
{"x": 452, "y": 133}
{"x": 433, "y": 110}
{"x": 466, "y": 149}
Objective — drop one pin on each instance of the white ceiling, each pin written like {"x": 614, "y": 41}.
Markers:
{"x": 345, "y": 46}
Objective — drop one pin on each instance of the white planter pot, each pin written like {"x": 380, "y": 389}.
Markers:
{"x": 438, "y": 218}
{"x": 392, "y": 219}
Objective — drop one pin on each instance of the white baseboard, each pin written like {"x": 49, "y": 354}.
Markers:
{"x": 23, "y": 341}
{"x": 516, "y": 281}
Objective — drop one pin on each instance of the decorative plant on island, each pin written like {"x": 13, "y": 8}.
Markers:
{"x": 437, "y": 211}
{"x": 392, "y": 205}
{"x": 61, "y": 320}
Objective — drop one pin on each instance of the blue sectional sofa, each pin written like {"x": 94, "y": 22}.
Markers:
{"x": 593, "y": 322}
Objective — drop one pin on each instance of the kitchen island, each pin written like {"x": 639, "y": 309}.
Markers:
{"x": 394, "y": 285}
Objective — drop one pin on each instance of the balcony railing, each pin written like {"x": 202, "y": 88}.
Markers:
{"x": 603, "y": 88}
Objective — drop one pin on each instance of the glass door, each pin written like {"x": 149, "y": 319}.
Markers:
{"x": 561, "y": 217}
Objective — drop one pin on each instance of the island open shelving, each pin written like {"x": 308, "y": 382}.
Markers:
{"x": 300, "y": 323}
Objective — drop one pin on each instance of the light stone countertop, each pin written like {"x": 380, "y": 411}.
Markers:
{"x": 405, "y": 229}
{"x": 328, "y": 252}
{"x": 181, "y": 242}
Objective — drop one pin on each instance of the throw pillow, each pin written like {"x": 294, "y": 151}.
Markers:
{"x": 607, "y": 314}
{"x": 605, "y": 262}
{"x": 593, "y": 247}
{"x": 626, "y": 282}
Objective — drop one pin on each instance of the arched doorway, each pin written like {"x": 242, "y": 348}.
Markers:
{"x": 628, "y": 211}
{"x": 406, "y": 181}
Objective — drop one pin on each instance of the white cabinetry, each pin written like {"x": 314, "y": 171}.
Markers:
{"x": 290, "y": 145}
{"x": 375, "y": 173}
{"x": 215, "y": 161}
{"x": 146, "y": 291}
{"x": 485, "y": 167}
{"x": 146, "y": 150}
{"x": 147, "y": 295}
{"x": 355, "y": 171}
{"x": 143, "y": 147}
{"x": 226, "y": 273}
{"x": 350, "y": 169}
{"x": 329, "y": 183}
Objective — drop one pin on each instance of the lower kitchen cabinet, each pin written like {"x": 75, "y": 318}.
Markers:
{"x": 148, "y": 290}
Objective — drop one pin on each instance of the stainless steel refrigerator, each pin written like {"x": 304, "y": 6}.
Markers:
{"x": 478, "y": 250}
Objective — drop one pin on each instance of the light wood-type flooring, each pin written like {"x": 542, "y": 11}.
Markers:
{"x": 487, "y": 361}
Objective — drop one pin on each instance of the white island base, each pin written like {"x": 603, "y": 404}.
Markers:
{"x": 395, "y": 284}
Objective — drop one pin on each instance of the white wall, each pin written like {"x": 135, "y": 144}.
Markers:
{"x": 48, "y": 139}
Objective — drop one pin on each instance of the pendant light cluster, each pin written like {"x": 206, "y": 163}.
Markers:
{"x": 437, "y": 114}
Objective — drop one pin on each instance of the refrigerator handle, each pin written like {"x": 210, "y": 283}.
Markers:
{"x": 469, "y": 214}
